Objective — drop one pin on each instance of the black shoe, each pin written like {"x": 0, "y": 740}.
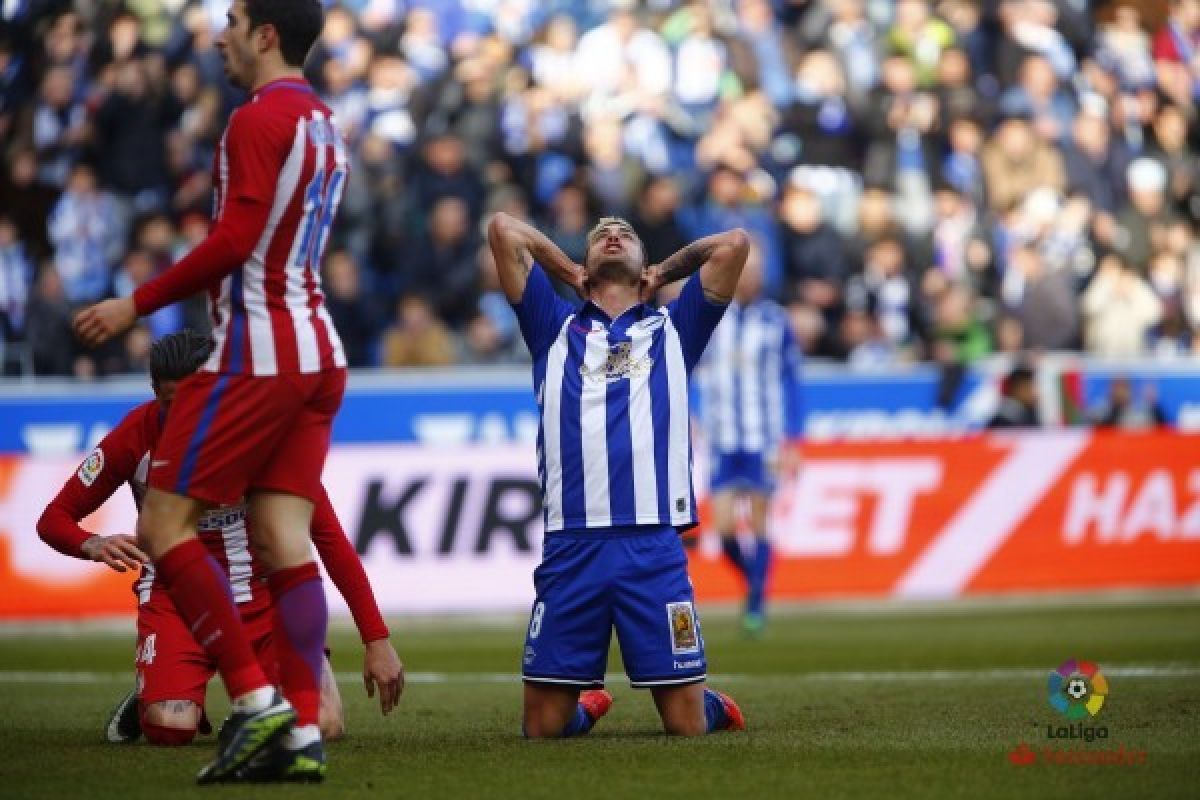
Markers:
{"x": 246, "y": 734}
{"x": 277, "y": 764}
{"x": 125, "y": 722}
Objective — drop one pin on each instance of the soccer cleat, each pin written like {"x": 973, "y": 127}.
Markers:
{"x": 754, "y": 624}
{"x": 125, "y": 722}
{"x": 244, "y": 735}
{"x": 736, "y": 721}
{"x": 595, "y": 702}
{"x": 277, "y": 764}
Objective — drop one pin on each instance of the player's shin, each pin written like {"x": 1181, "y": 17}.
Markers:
{"x": 758, "y": 570}
{"x": 299, "y": 624}
{"x": 202, "y": 595}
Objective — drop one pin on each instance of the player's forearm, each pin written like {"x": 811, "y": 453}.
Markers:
{"x": 511, "y": 240}
{"x": 724, "y": 253}
{"x": 346, "y": 571}
{"x": 227, "y": 247}
{"x": 57, "y": 528}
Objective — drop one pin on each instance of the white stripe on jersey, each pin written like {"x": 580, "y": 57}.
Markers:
{"x": 679, "y": 485}
{"x": 340, "y": 161}
{"x": 220, "y": 330}
{"x": 746, "y": 361}
{"x": 641, "y": 426}
{"x": 550, "y": 399}
{"x": 254, "y": 271}
{"x": 722, "y": 376}
{"x": 296, "y": 294}
{"x": 593, "y": 411}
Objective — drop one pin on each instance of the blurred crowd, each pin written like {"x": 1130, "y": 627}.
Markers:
{"x": 926, "y": 180}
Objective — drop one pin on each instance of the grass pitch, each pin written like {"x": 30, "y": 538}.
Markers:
{"x": 917, "y": 702}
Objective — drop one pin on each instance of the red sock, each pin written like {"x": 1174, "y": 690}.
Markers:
{"x": 299, "y": 637}
{"x": 202, "y": 596}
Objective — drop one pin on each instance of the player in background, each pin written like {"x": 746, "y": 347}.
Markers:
{"x": 255, "y": 421}
{"x": 611, "y": 380}
{"x": 172, "y": 669}
{"x": 749, "y": 406}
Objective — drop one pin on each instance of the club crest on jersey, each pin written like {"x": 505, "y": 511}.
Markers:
{"x": 685, "y": 638}
{"x": 90, "y": 469}
{"x": 619, "y": 365}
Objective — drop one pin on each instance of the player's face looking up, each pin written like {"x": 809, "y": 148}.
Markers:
{"x": 614, "y": 254}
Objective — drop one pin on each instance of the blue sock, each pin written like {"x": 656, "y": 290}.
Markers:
{"x": 733, "y": 551}
{"x": 714, "y": 711}
{"x": 757, "y": 575}
{"x": 580, "y": 724}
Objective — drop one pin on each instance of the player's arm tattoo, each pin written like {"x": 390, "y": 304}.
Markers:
{"x": 700, "y": 252}
{"x": 686, "y": 261}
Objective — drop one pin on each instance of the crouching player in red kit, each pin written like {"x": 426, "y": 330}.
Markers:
{"x": 172, "y": 669}
{"x": 255, "y": 420}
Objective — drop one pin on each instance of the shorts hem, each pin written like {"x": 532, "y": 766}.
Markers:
{"x": 587, "y": 683}
{"x": 654, "y": 683}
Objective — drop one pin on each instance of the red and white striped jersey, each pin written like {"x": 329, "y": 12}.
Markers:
{"x": 281, "y": 149}
{"x": 123, "y": 456}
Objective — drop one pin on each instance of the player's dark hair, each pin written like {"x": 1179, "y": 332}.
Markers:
{"x": 178, "y": 355}
{"x": 297, "y": 22}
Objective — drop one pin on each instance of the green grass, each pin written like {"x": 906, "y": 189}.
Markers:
{"x": 815, "y": 731}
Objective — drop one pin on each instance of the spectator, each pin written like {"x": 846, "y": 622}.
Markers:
{"x": 1095, "y": 164}
{"x": 27, "y": 202}
{"x": 443, "y": 263}
{"x": 16, "y": 279}
{"x": 56, "y": 126}
{"x": 1175, "y": 53}
{"x": 1015, "y": 162}
{"x": 1019, "y": 403}
{"x": 138, "y": 267}
{"x": 1042, "y": 299}
{"x": 1122, "y": 410}
{"x": 920, "y": 37}
{"x": 885, "y": 290}
{"x": 417, "y": 338}
{"x": 814, "y": 255}
{"x": 960, "y": 336}
{"x": 353, "y": 311}
{"x": 48, "y": 326}
{"x": 654, "y": 219}
{"x": 1038, "y": 95}
{"x": 88, "y": 231}
{"x": 1120, "y": 308}
{"x": 1146, "y": 216}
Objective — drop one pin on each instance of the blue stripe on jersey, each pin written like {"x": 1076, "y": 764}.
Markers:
{"x": 197, "y": 441}
{"x": 574, "y": 496}
{"x": 660, "y": 405}
{"x": 619, "y": 435}
{"x": 237, "y": 324}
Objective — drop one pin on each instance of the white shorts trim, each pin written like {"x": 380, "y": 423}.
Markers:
{"x": 584, "y": 684}
{"x": 668, "y": 682}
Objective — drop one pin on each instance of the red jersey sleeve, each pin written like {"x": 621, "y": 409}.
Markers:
{"x": 255, "y": 148}
{"x": 346, "y": 571}
{"x": 112, "y": 463}
{"x": 1163, "y": 47}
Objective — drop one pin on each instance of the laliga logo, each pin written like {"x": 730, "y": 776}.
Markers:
{"x": 1077, "y": 689}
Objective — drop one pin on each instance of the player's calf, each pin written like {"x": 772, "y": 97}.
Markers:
{"x": 170, "y": 723}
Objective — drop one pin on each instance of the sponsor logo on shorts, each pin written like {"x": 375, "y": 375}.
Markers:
{"x": 695, "y": 663}
{"x": 681, "y": 617}
{"x": 90, "y": 469}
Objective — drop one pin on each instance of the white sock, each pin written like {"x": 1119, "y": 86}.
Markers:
{"x": 254, "y": 701}
{"x": 301, "y": 736}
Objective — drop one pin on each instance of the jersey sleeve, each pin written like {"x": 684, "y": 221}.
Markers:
{"x": 346, "y": 571}
{"x": 112, "y": 463}
{"x": 255, "y": 152}
{"x": 540, "y": 312}
{"x": 695, "y": 317}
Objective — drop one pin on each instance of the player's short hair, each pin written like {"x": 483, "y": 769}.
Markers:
{"x": 297, "y": 22}
{"x": 178, "y": 355}
{"x": 604, "y": 222}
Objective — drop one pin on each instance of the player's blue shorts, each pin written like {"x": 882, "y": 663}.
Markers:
{"x": 632, "y": 579}
{"x": 743, "y": 470}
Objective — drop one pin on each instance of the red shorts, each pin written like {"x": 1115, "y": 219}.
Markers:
{"x": 228, "y": 434}
{"x": 171, "y": 665}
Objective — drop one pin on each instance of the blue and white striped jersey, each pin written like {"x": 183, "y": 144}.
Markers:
{"x": 748, "y": 381}
{"x": 613, "y": 443}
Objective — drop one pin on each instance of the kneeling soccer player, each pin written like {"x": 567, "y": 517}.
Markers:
{"x": 611, "y": 380}
{"x": 172, "y": 669}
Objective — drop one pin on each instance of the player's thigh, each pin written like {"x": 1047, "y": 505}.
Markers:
{"x": 758, "y": 501}
{"x": 165, "y": 520}
{"x": 170, "y": 664}
{"x": 295, "y": 462}
{"x": 280, "y": 525}
{"x": 681, "y": 708}
{"x": 655, "y": 614}
{"x": 220, "y": 432}
{"x": 724, "y": 508}
{"x": 570, "y": 624}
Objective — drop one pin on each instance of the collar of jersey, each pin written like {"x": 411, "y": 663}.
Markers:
{"x": 298, "y": 84}
{"x": 637, "y": 312}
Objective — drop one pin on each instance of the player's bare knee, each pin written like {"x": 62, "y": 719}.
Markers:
{"x": 685, "y": 725}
